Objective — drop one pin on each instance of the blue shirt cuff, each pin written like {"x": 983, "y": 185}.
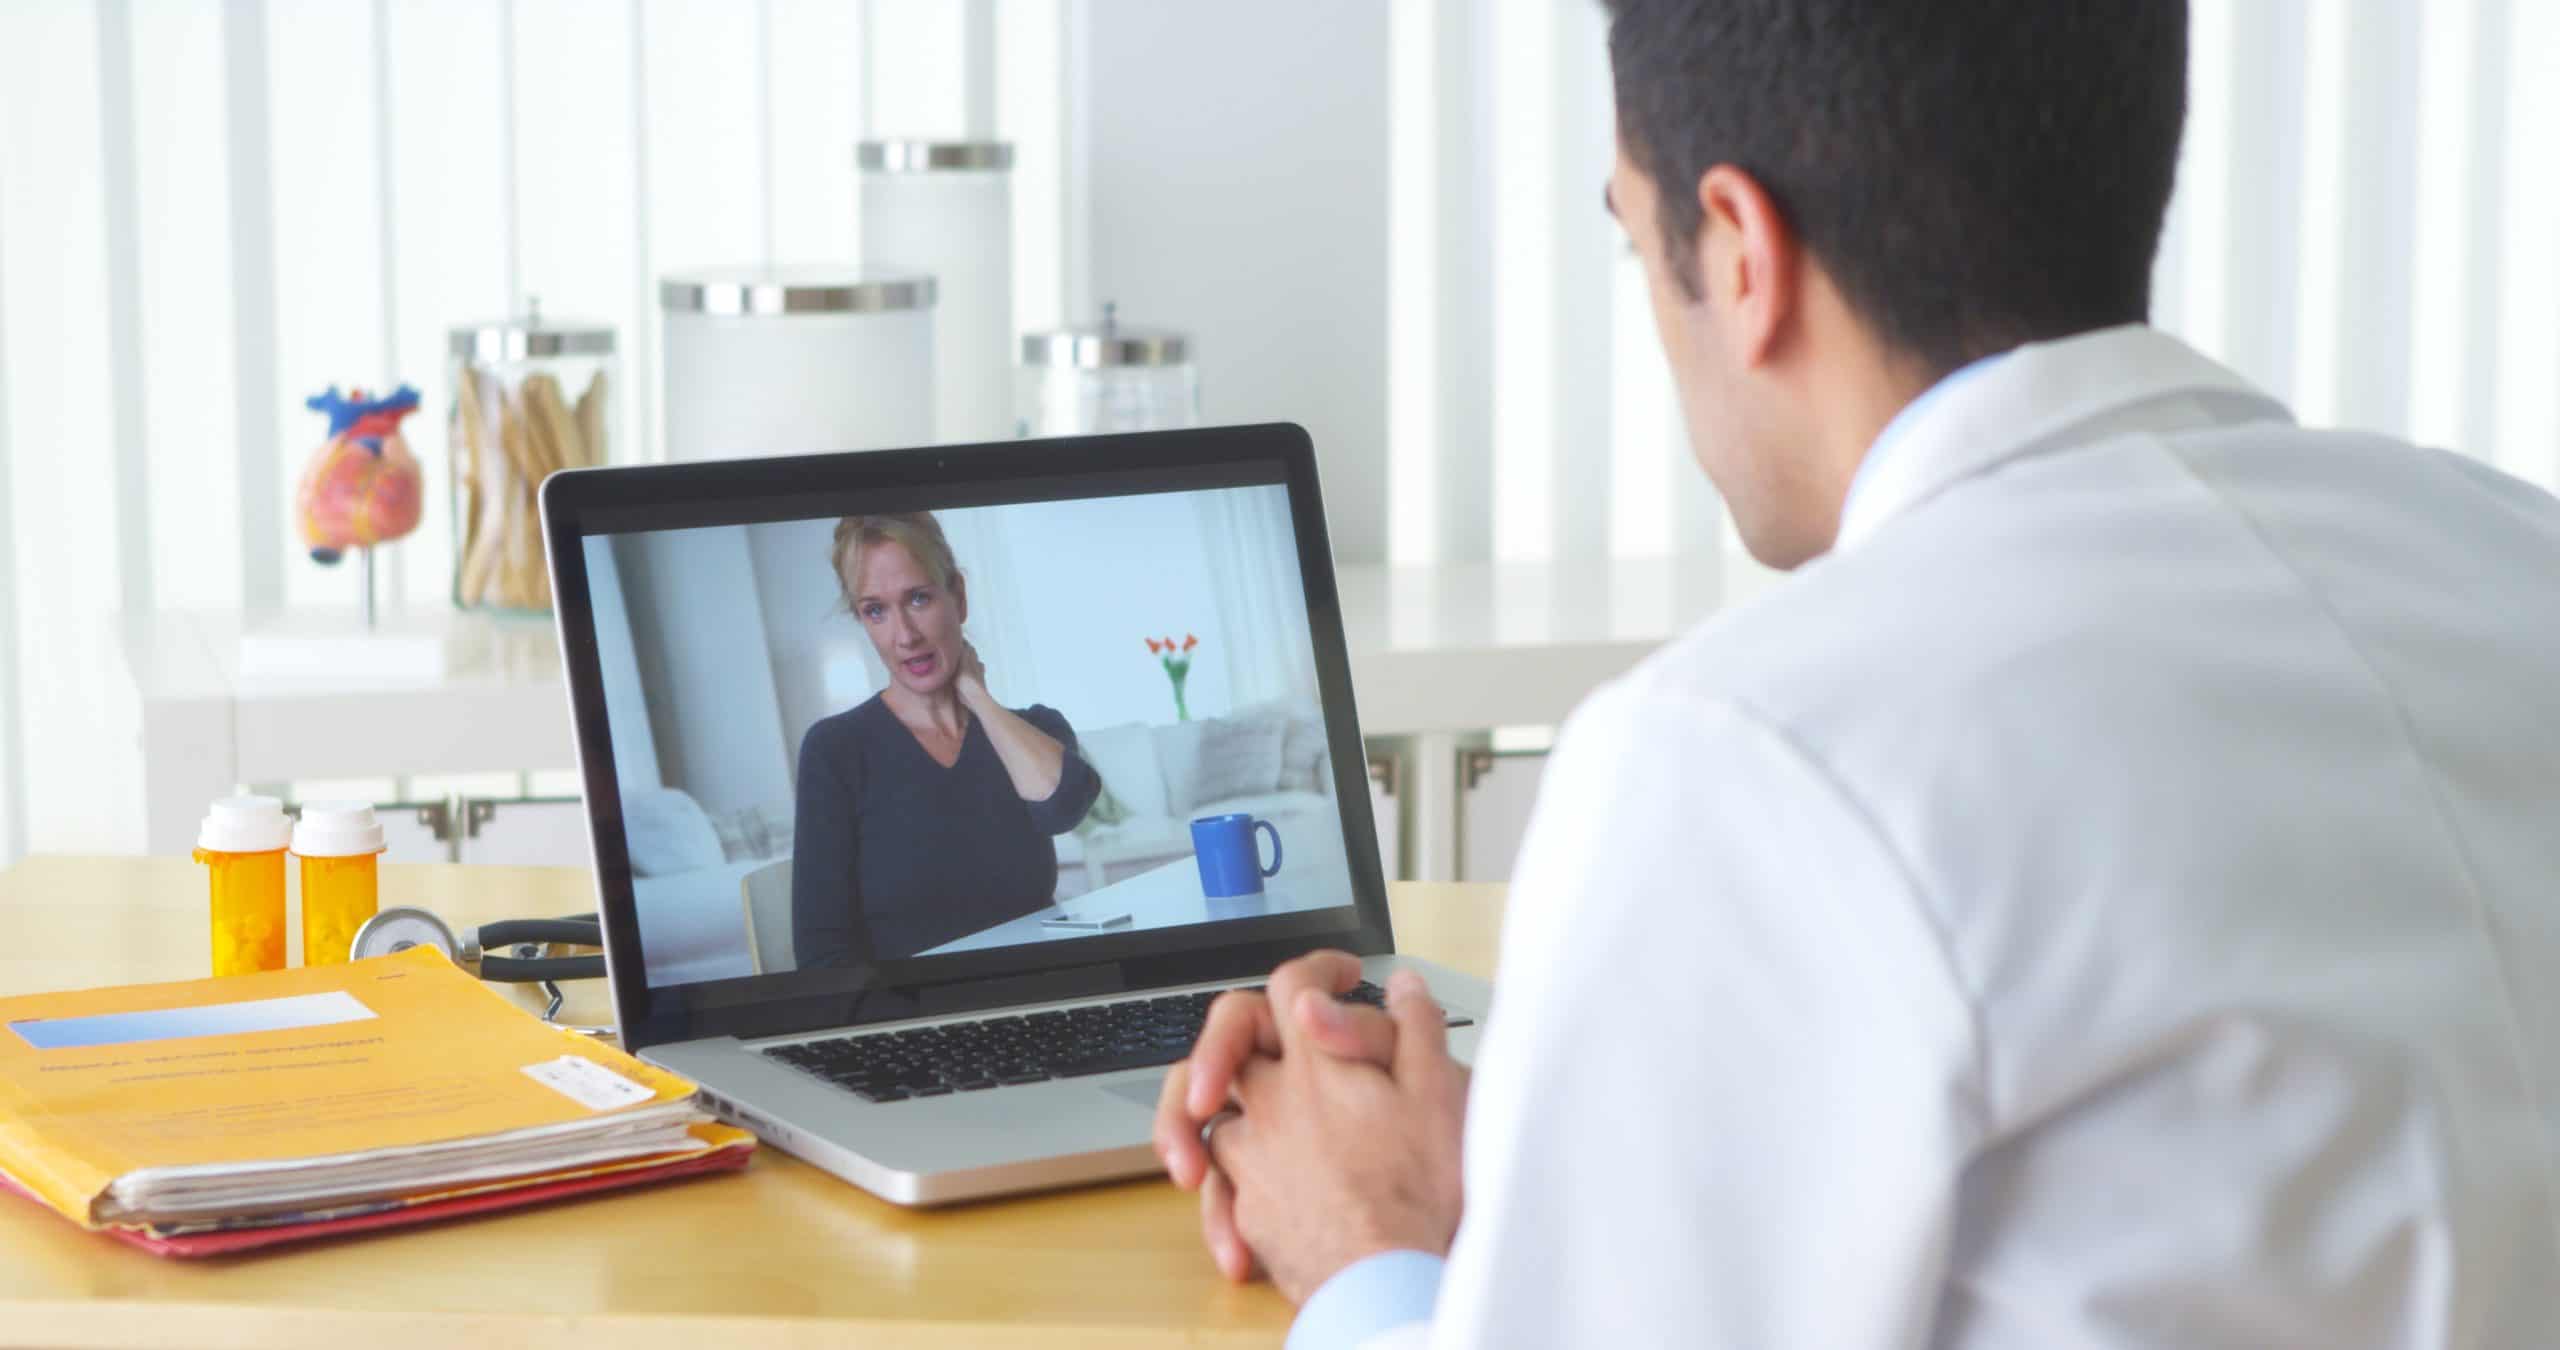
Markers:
{"x": 1366, "y": 1298}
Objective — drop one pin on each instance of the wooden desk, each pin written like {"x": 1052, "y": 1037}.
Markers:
{"x": 781, "y": 1256}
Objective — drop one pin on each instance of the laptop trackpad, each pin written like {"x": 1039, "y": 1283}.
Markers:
{"x": 1141, "y": 1091}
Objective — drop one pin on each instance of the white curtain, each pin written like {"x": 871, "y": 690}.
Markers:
{"x": 1254, "y": 571}
{"x": 996, "y": 619}
{"x": 626, "y": 697}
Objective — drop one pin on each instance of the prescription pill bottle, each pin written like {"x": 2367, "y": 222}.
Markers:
{"x": 338, "y": 843}
{"x": 242, "y": 842}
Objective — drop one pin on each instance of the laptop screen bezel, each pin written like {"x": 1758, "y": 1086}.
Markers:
{"x": 578, "y": 504}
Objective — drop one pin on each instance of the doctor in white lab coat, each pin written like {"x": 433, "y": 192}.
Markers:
{"x": 2110, "y": 895}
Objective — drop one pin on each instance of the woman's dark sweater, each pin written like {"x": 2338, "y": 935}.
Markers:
{"x": 893, "y": 853}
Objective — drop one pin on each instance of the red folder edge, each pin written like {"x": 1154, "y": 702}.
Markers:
{"x": 726, "y": 1159}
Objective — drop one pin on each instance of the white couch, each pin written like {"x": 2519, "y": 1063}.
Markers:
{"x": 685, "y": 885}
{"x": 691, "y": 925}
{"x": 1268, "y": 761}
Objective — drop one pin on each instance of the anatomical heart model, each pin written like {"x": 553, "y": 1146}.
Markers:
{"x": 362, "y": 487}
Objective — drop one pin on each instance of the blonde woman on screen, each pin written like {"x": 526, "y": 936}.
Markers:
{"x": 926, "y": 812}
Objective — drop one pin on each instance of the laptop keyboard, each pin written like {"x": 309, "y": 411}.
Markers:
{"x": 890, "y": 1066}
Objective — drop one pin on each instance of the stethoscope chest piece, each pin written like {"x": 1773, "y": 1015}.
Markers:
{"x": 399, "y": 928}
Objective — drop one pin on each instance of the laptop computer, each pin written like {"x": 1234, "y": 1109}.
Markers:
{"x": 934, "y": 794}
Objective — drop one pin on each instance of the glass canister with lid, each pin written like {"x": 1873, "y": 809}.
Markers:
{"x": 531, "y": 397}
{"x": 1091, "y": 378}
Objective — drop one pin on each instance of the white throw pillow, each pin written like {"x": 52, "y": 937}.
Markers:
{"x": 1125, "y": 756}
{"x": 754, "y": 833}
{"x": 1224, "y": 757}
{"x": 1302, "y": 757}
{"x": 668, "y": 833}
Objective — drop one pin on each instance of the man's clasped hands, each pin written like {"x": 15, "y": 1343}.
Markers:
{"x": 1317, "y": 1132}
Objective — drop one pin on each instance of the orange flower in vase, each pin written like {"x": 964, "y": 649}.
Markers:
{"x": 1176, "y": 657}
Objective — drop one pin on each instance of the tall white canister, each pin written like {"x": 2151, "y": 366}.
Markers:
{"x": 790, "y": 360}
{"x": 946, "y": 208}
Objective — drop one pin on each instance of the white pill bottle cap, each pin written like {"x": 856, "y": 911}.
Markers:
{"x": 337, "y": 830}
{"x": 245, "y": 824}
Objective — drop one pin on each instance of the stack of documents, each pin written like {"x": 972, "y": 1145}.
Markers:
{"x": 224, "y": 1114}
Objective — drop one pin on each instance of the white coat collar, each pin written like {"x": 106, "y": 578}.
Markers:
{"x": 2037, "y": 396}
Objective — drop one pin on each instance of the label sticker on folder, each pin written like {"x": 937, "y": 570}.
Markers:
{"x": 587, "y": 1083}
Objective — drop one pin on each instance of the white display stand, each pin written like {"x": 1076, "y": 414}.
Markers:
{"x": 493, "y": 699}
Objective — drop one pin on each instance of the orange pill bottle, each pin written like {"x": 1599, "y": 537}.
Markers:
{"x": 242, "y": 843}
{"x": 339, "y": 844}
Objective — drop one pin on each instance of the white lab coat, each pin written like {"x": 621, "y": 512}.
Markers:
{"x": 2111, "y": 900}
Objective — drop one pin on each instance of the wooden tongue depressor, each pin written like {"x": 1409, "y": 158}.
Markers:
{"x": 555, "y": 438}
{"x": 517, "y": 583}
{"x": 591, "y": 421}
{"x": 511, "y": 441}
{"x": 479, "y": 541}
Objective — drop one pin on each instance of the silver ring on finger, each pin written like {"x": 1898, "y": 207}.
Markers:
{"x": 1210, "y": 1126}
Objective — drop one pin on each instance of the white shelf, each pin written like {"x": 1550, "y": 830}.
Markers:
{"x": 1434, "y": 650}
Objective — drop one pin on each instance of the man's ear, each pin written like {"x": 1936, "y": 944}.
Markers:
{"x": 1749, "y": 261}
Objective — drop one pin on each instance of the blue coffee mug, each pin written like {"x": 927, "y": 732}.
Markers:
{"x": 1230, "y": 864}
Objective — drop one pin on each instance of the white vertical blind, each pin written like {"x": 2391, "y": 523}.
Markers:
{"x": 1461, "y": 254}
{"x": 2527, "y": 433}
{"x": 211, "y": 208}
{"x": 1413, "y": 285}
{"x": 257, "y": 450}
{"x": 1645, "y": 435}
{"x": 64, "y": 531}
{"x": 13, "y": 755}
{"x": 1578, "y": 272}
{"x": 125, "y": 411}
{"x": 813, "y": 115}
{"x": 1522, "y": 284}
{"x": 1030, "y": 94}
{"x": 919, "y": 64}
{"x": 2376, "y": 224}
{"x": 188, "y": 352}
{"x": 2348, "y": 231}
{"x": 2189, "y": 286}
{"x": 2260, "y": 164}
{"x": 2462, "y": 86}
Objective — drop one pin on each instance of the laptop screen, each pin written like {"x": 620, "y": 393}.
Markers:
{"x": 917, "y": 732}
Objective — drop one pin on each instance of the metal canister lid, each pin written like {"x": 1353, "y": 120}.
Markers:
{"x": 932, "y": 156}
{"x": 763, "y": 291}
{"x": 1105, "y": 344}
{"x": 532, "y": 335}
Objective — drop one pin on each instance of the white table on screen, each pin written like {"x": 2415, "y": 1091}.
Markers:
{"x": 1170, "y": 896}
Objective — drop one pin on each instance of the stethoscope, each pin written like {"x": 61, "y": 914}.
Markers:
{"x": 528, "y": 942}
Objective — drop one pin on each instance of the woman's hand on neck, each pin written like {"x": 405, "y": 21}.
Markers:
{"x": 970, "y": 684}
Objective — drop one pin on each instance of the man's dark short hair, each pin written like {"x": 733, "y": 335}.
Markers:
{"x": 1973, "y": 174}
